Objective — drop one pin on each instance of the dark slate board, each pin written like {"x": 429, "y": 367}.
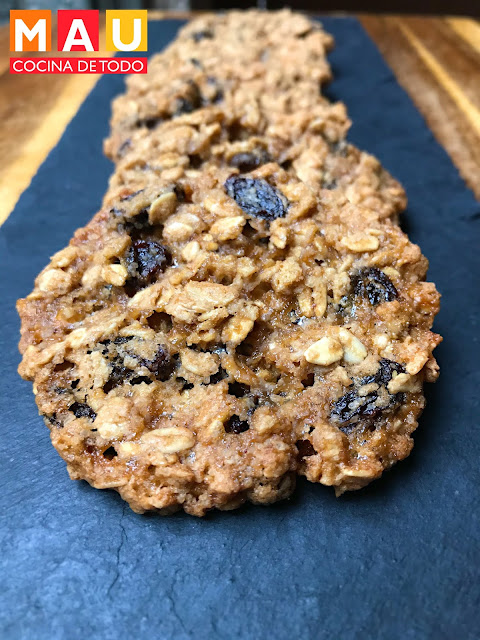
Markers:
{"x": 398, "y": 560}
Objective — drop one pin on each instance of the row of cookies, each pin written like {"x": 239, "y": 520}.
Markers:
{"x": 228, "y": 319}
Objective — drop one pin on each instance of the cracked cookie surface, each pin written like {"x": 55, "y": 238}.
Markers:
{"x": 243, "y": 309}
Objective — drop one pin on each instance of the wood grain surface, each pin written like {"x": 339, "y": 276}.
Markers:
{"x": 437, "y": 61}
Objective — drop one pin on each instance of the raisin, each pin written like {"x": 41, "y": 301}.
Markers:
{"x": 140, "y": 379}
{"x": 238, "y": 389}
{"x": 305, "y": 449}
{"x": 385, "y": 372}
{"x": 236, "y": 425}
{"x": 248, "y": 161}
{"x": 373, "y": 284}
{"x": 82, "y": 410}
{"x": 185, "y": 385}
{"x": 163, "y": 365}
{"x": 105, "y": 351}
{"x": 135, "y": 225}
{"x": 352, "y": 407}
{"x": 53, "y": 421}
{"x": 118, "y": 375}
{"x": 138, "y": 222}
{"x": 145, "y": 260}
{"x": 192, "y": 101}
{"x": 204, "y": 34}
{"x": 256, "y": 197}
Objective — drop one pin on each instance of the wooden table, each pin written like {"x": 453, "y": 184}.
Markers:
{"x": 437, "y": 60}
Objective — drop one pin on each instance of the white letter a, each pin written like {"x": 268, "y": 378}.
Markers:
{"x": 83, "y": 40}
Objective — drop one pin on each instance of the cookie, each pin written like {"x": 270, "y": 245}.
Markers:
{"x": 199, "y": 346}
{"x": 229, "y": 320}
{"x": 283, "y": 60}
{"x": 190, "y": 110}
